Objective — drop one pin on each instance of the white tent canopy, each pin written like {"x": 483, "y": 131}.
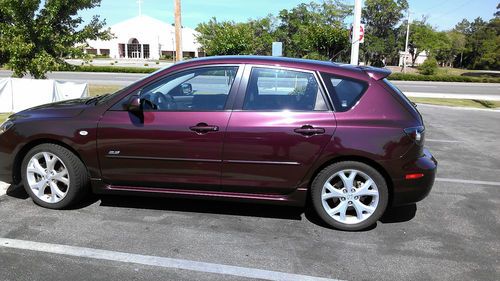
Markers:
{"x": 18, "y": 94}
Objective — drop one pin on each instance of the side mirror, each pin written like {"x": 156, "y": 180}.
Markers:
{"x": 187, "y": 89}
{"x": 134, "y": 104}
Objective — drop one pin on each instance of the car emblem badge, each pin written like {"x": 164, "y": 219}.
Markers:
{"x": 113, "y": 152}
{"x": 84, "y": 133}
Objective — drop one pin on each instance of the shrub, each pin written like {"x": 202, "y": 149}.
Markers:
{"x": 443, "y": 78}
{"x": 119, "y": 69}
{"x": 429, "y": 67}
{"x": 146, "y": 64}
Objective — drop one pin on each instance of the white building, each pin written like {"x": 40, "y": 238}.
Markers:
{"x": 144, "y": 37}
{"x": 422, "y": 56}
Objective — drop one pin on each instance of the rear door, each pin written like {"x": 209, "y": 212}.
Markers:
{"x": 279, "y": 126}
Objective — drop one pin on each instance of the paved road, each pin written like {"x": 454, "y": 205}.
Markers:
{"x": 451, "y": 235}
{"x": 406, "y": 86}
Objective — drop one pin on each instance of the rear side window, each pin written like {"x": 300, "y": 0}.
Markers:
{"x": 345, "y": 93}
{"x": 279, "y": 89}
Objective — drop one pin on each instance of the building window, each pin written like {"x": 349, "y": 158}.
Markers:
{"x": 104, "y": 52}
{"x": 145, "y": 48}
{"x": 134, "y": 49}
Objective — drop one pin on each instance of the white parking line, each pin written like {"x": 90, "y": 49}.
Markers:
{"x": 156, "y": 261}
{"x": 495, "y": 183}
{"x": 3, "y": 188}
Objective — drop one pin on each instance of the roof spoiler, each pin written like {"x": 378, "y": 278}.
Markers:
{"x": 376, "y": 73}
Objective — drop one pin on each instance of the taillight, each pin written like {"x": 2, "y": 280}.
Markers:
{"x": 416, "y": 134}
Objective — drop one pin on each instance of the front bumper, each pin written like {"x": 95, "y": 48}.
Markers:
{"x": 7, "y": 156}
{"x": 413, "y": 190}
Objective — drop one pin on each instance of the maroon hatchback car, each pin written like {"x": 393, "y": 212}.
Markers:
{"x": 247, "y": 128}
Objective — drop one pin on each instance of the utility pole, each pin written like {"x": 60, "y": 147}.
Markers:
{"x": 406, "y": 43}
{"x": 355, "y": 33}
{"x": 178, "y": 30}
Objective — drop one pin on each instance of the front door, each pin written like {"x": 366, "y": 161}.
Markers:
{"x": 177, "y": 143}
{"x": 279, "y": 129}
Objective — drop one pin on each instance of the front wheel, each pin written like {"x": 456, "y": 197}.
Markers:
{"x": 54, "y": 177}
{"x": 349, "y": 195}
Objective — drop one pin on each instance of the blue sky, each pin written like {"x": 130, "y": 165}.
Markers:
{"x": 443, "y": 14}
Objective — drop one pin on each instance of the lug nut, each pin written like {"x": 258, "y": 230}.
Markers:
{"x": 344, "y": 190}
{"x": 356, "y": 197}
{"x": 350, "y": 202}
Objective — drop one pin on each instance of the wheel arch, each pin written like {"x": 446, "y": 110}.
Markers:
{"x": 360, "y": 159}
{"x": 16, "y": 171}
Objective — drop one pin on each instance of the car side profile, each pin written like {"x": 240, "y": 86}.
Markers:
{"x": 247, "y": 128}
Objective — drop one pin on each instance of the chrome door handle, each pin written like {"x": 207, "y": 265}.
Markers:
{"x": 308, "y": 130}
{"x": 204, "y": 128}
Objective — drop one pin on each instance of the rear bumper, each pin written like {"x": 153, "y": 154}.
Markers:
{"x": 413, "y": 190}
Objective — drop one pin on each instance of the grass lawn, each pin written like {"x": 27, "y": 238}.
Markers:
{"x": 95, "y": 90}
{"x": 457, "y": 102}
{"x": 4, "y": 116}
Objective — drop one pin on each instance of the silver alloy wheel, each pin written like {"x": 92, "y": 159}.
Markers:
{"x": 350, "y": 196}
{"x": 48, "y": 177}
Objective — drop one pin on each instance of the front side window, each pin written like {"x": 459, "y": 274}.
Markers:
{"x": 345, "y": 93}
{"x": 201, "y": 89}
{"x": 279, "y": 89}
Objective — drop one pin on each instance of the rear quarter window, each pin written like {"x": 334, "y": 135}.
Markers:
{"x": 345, "y": 93}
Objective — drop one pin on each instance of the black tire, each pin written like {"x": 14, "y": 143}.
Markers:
{"x": 326, "y": 173}
{"x": 79, "y": 180}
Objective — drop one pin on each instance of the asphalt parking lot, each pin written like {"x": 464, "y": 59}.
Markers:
{"x": 454, "y": 234}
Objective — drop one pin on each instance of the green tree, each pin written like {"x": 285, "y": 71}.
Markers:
{"x": 263, "y": 33}
{"x": 225, "y": 38}
{"x": 382, "y": 36}
{"x": 482, "y": 43}
{"x": 314, "y": 30}
{"x": 422, "y": 38}
{"x": 34, "y": 38}
{"x": 309, "y": 30}
{"x": 457, "y": 47}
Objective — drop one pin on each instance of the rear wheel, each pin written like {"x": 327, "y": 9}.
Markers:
{"x": 54, "y": 177}
{"x": 349, "y": 195}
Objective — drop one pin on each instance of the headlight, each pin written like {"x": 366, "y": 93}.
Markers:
{"x": 6, "y": 126}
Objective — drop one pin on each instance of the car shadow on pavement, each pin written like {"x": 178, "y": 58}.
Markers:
{"x": 399, "y": 214}
{"x": 17, "y": 191}
{"x": 392, "y": 215}
{"x": 203, "y": 206}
